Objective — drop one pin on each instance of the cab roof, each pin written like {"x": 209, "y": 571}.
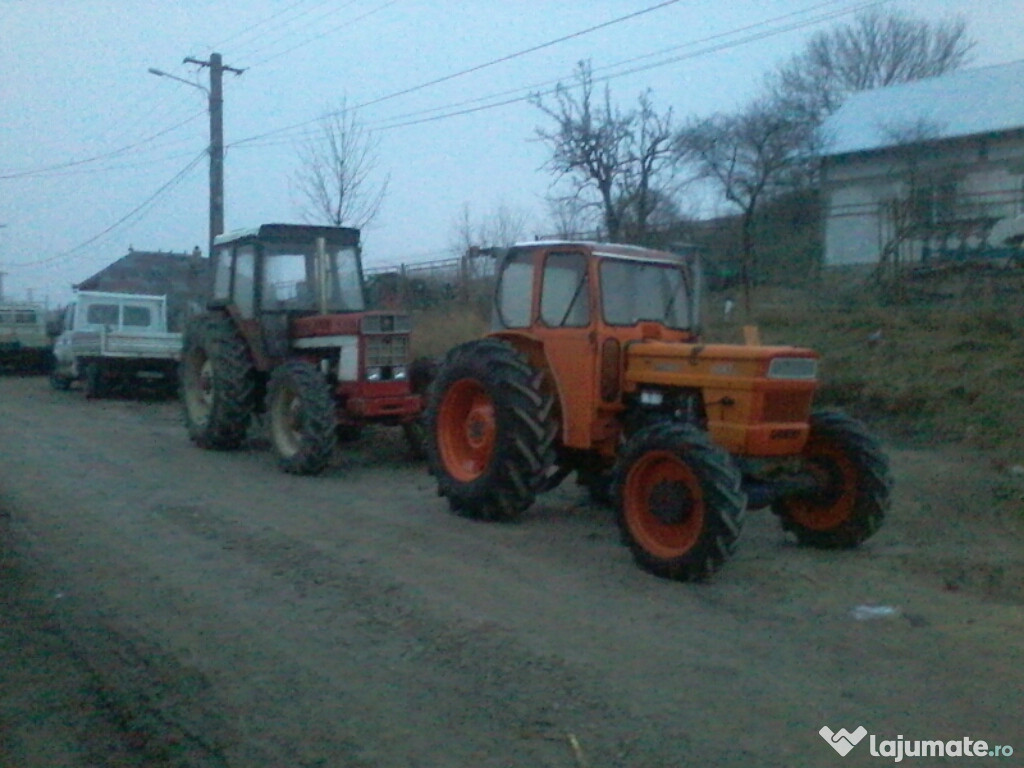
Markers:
{"x": 617, "y": 250}
{"x": 291, "y": 233}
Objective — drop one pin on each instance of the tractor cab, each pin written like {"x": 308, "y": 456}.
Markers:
{"x": 595, "y": 365}
{"x": 287, "y": 333}
{"x": 270, "y": 276}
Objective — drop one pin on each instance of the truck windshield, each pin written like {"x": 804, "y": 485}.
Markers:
{"x": 632, "y": 291}
{"x": 291, "y": 279}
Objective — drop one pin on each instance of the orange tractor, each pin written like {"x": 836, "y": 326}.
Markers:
{"x": 287, "y": 333}
{"x": 595, "y": 365}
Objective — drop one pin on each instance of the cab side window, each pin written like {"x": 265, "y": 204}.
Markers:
{"x": 565, "y": 295}
{"x": 245, "y": 283}
{"x": 515, "y": 292}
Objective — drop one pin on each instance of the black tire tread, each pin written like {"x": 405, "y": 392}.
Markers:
{"x": 873, "y": 491}
{"x": 234, "y": 375}
{"x": 319, "y": 435}
{"x": 524, "y": 450}
{"x": 721, "y": 483}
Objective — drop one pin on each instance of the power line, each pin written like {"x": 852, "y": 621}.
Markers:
{"x": 526, "y": 92}
{"x": 469, "y": 70}
{"x": 313, "y": 23}
{"x": 177, "y": 178}
{"x": 267, "y": 20}
{"x": 103, "y": 156}
{"x": 531, "y": 89}
{"x": 308, "y": 40}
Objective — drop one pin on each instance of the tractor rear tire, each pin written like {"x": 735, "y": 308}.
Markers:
{"x": 490, "y": 431}
{"x": 218, "y": 383}
{"x": 856, "y": 472}
{"x": 680, "y": 506}
{"x": 301, "y": 418}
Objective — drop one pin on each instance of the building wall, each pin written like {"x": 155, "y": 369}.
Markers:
{"x": 943, "y": 198}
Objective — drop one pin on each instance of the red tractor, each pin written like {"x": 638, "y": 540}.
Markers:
{"x": 287, "y": 333}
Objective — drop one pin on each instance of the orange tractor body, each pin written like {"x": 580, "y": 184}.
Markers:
{"x": 595, "y": 365}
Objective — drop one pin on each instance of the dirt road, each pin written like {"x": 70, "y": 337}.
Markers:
{"x": 167, "y": 606}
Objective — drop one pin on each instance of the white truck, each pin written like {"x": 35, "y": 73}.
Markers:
{"x": 111, "y": 339}
{"x": 24, "y": 342}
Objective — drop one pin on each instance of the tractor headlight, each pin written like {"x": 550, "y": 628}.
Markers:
{"x": 373, "y": 374}
{"x": 651, "y": 397}
{"x": 398, "y": 373}
{"x": 793, "y": 368}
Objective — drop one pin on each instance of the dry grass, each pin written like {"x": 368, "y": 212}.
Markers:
{"x": 949, "y": 368}
{"x": 944, "y": 369}
{"x": 437, "y": 330}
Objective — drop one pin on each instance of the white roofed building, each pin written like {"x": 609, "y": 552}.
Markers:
{"x": 928, "y": 170}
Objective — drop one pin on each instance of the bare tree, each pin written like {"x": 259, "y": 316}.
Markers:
{"x": 503, "y": 227}
{"x": 909, "y": 215}
{"x": 336, "y": 172}
{"x": 615, "y": 161}
{"x": 569, "y": 218}
{"x": 877, "y": 49}
{"x": 749, "y": 156}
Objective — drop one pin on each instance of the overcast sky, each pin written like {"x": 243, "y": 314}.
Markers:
{"x": 74, "y": 87}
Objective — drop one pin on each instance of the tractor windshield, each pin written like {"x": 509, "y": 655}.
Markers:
{"x": 293, "y": 281}
{"x": 633, "y": 291}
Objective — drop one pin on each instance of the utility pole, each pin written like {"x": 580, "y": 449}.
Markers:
{"x": 216, "y": 141}
{"x": 215, "y": 94}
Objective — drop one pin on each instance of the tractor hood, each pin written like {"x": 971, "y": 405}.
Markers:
{"x": 757, "y": 399}
{"x": 662, "y": 362}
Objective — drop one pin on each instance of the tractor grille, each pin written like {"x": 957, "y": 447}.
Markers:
{"x": 787, "y": 406}
{"x": 386, "y": 350}
{"x": 386, "y": 324}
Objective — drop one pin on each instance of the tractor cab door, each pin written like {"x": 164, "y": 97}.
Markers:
{"x": 565, "y": 324}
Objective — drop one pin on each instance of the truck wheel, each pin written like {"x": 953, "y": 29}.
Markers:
{"x": 217, "y": 383}
{"x": 95, "y": 385}
{"x": 855, "y": 473}
{"x": 58, "y": 382}
{"x": 301, "y": 418}
{"x": 679, "y": 503}
{"x": 490, "y": 431}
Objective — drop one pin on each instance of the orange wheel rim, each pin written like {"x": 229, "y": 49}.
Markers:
{"x": 836, "y": 473}
{"x": 466, "y": 430}
{"x": 663, "y": 505}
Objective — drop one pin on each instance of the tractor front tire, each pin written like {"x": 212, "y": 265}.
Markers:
{"x": 218, "y": 383}
{"x": 854, "y": 472}
{"x": 680, "y": 507}
{"x": 490, "y": 431}
{"x": 301, "y": 417}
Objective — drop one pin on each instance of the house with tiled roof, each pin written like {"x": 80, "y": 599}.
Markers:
{"x": 931, "y": 170}
{"x": 182, "y": 277}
